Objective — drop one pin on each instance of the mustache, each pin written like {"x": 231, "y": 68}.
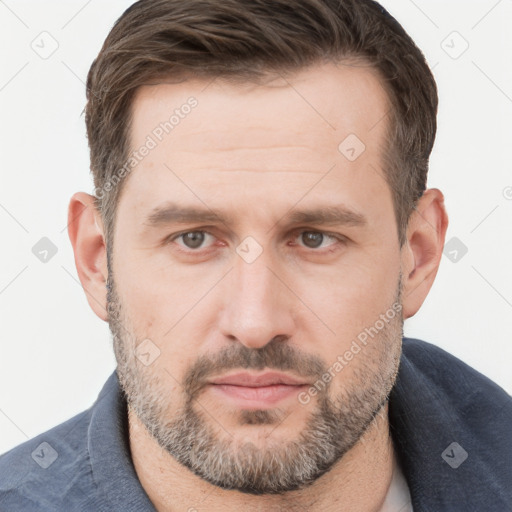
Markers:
{"x": 275, "y": 355}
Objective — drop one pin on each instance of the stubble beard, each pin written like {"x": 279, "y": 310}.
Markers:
{"x": 195, "y": 439}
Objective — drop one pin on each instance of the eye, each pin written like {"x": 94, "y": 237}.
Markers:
{"x": 315, "y": 239}
{"x": 192, "y": 239}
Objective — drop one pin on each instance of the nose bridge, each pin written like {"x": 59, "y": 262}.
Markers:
{"x": 257, "y": 305}
{"x": 254, "y": 284}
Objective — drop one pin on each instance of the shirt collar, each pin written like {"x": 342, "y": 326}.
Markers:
{"x": 109, "y": 450}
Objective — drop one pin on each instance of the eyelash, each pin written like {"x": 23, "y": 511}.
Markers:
{"x": 294, "y": 234}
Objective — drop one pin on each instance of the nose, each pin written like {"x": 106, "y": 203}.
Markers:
{"x": 258, "y": 306}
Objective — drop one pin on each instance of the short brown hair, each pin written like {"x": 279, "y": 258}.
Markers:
{"x": 246, "y": 40}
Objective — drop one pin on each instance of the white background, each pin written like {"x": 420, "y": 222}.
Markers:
{"x": 56, "y": 354}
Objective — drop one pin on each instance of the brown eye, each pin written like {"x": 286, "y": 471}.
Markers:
{"x": 312, "y": 239}
{"x": 193, "y": 239}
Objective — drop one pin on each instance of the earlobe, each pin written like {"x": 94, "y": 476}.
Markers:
{"x": 85, "y": 231}
{"x": 421, "y": 255}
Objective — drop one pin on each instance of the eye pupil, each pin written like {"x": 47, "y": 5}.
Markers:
{"x": 312, "y": 239}
{"x": 193, "y": 239}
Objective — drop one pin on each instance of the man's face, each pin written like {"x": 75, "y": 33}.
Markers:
{"x": 204, "y": 309}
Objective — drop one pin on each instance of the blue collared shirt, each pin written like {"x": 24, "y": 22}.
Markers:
{"x": 450, "y": 425}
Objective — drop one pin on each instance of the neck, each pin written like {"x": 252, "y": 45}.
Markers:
{"x": 172, "y": 487}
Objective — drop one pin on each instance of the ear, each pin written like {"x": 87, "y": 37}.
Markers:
{"x": 422, "y": 252}
{"x": 85, "y": 230}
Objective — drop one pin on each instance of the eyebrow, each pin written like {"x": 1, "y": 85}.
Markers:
{"x": 172, "y": 213}
{"x": 328, "y": 215}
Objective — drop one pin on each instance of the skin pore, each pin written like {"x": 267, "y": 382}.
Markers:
{"x": 295, "y": 255}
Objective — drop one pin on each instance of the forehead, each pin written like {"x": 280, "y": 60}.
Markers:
{"x": 319, "y": 132}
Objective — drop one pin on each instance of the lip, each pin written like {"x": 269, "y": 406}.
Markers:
{"x": 253, "y": 381}
{"x": 250, "y": 391}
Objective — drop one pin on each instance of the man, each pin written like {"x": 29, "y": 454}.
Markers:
{"x": 259, "y": 231}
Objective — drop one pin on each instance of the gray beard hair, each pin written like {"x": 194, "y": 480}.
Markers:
{"x": 197, "y": 441}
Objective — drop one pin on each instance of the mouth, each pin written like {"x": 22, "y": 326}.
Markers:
{"x": 257, "y": 391}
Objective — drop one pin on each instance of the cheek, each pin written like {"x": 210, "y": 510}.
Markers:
{"x": 162, "y": 311}
{"x": 142, "y": 311}
{"x": 351, "y": 297}
{"x": 154, "y": 293}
